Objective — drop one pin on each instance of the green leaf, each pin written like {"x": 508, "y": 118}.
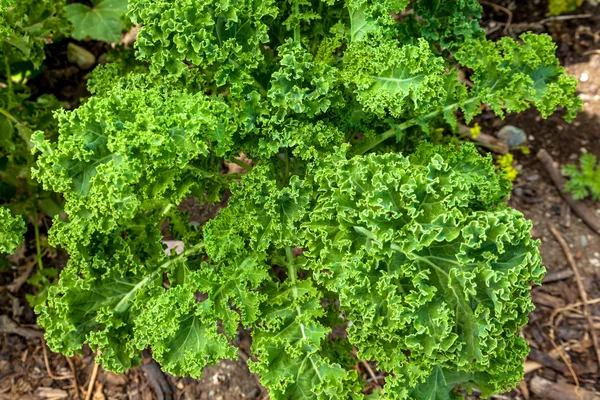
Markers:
{"x": 12, "y": 230}
{"x": 102, "y": 21}
{"x": 585, "y": 181}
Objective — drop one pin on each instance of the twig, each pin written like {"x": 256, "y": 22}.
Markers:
{"x": 580, "y": 209}
{"x": 488, "y": 141}
{"x": 371, "y": 373}
{"x": 21, "y": 279}
{"x": 157, "y": 380}
{"x": 7, "y": 325}
{"x": 50, "y": 374}
{"x": 503, "y": 9}
{"x": 540, "y": 24}
{"x": 75, "y": 383}
{"x": 566, "y": 360}
{"x": 565, "y": 18}
{"x": 555, "y": 276}
{"x": 582, "y": 292}
{"x": 572, "y": 307}
{"x": 90, "y": 390}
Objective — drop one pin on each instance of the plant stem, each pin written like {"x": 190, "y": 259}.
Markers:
{"x": 242, "y": 164}
{"x": 287, "y": 162}
{"x": 407, "y": 124}
{"x": 38, "y": 243}
{"x": 9, "y": 116}
{"x": 296, "y": 12}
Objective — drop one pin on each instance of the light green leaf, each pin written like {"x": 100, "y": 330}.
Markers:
{"x": 12, "y": 230}
{"x": 102, "y": 21}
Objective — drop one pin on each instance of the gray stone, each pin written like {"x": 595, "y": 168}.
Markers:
{"x": 80, "y": 56}
{"x": 512, "y": 136}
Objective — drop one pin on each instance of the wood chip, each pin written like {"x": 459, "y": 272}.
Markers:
{"x": 531, "y": 366}
{"x": 545, "y": 299}
{"x": 559, "y": 391}
{"x": 555, "y": 276}
{"x": 7, "y": 325}
{"x": 51, "y": 393}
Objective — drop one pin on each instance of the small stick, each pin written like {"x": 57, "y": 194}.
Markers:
{"x": 582, "y": 292}
{"x": 572, "y": 307}
{"x": 565, "y": 18}
{"x": 503, "y": 9}
{"x": 20, "y": 281}
{"x": 567, "y": 362}
{"x": 50, "y": 374}
{"x": 90, "y": 390}
{"x": 75, "y": 383}
{"x": 580, "y": 209}
{"x": 555, "y": 276}
{"x": 497, "y": 146}
{"x": 370, "y": 372}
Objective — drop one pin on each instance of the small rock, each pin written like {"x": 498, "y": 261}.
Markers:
{"x": 518, "y": 191}
{"x": 584, "y": 77}
{"x": 253, "y": 393}
{"x": 532, "y": 178}
{"x": 512, "y": 136}
{"x": 584, "y": 240}
{"x": 80, "y": 56}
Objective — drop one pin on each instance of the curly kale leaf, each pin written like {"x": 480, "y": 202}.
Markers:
{"x": 429, "y": 264}
{"x": 190, "y": 337}
{"x": 12, "y": 230}
{"x": 143, "y": 143}
{"x": 447, "y": 23}
{"x": 411, "y": 82}
{"x": 100, "y": 293}
{"x": 584, "y": 182}
{"x": 201, "y": 33}
{"x": 405, "y": 81}
{"x": 302, "y": 84}
{"x": 259, "y": 215}
{"x": 513, "y": 76}
{"x": 288, "y": 342}
{"x": 26, "y": 26}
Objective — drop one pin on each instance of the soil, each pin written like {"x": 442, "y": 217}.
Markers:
{"x": 24, "y": 374}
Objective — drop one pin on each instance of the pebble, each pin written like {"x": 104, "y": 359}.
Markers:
{"x": 80, "y": 56}
{"x": 584, "y": 77}
{"x": 512, "y": 136}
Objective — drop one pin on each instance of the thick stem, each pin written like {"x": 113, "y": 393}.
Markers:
{"x": 242, "y": 164}
{"x": 296, "y": 11}
{"x": 8, "y": 115}
{"x": 38, "y": 243}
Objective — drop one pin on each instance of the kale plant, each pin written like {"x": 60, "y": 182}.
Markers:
{"x": 348, "y": 216}
{"x": 27, "y": 27}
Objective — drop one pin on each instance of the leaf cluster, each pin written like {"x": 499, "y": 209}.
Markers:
{"x": 585, "y": 180}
